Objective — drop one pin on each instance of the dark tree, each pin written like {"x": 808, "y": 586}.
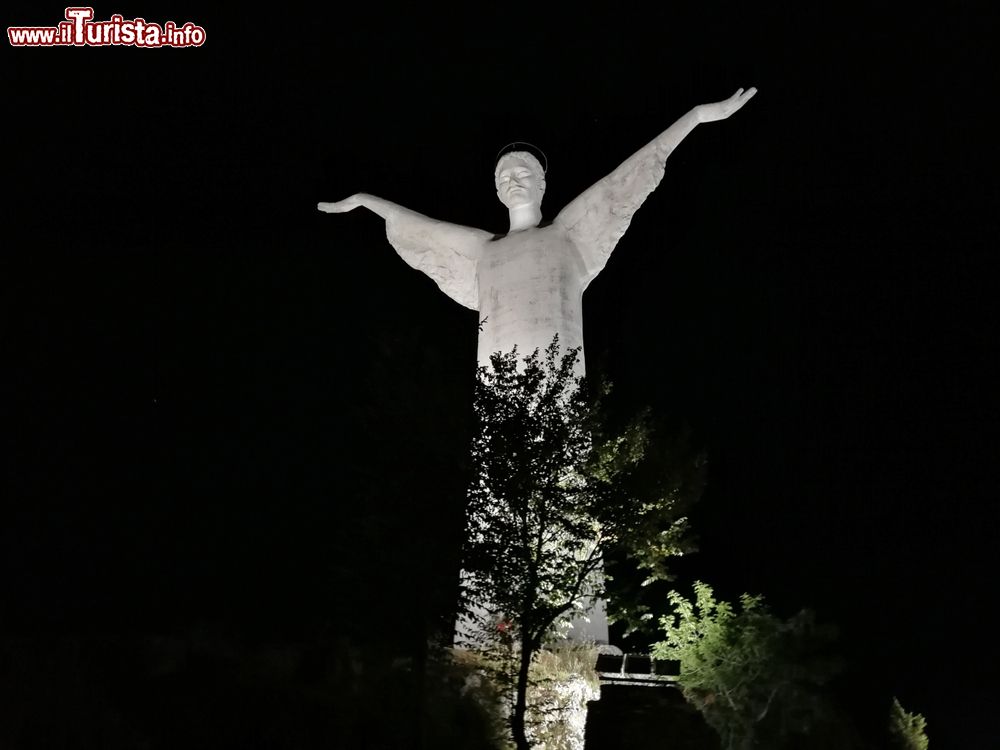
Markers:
{"x": 549, "y": 498}
{"x": 755, "y": 678}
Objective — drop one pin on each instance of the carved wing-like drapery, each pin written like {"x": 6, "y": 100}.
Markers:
{"x": 599, "y": 216}
{"x": 448, "y": 253}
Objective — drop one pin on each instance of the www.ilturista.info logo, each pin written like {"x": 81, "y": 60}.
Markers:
{"x": 81, "y": 30}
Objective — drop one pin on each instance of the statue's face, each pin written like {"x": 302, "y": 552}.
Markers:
{"x": 518, "y": 184}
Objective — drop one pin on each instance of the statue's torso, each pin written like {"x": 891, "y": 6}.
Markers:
{"x": 530, "y": 287}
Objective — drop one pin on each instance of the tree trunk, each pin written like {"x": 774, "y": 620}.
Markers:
{"x": 517, "y": 725}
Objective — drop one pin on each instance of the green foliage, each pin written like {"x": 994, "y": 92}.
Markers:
{"x": 560, "y": 662}
{"x": 551, "y": 496}
{"x": 468, "y": 699}
{"x": 665, "y": 483}
{"x": 563, "y": 679}
{"x": 753, "y": 676}
{"x": 555, "y": 491}
{"x": 907, "y": 730}
{"x": 533, "y": 543}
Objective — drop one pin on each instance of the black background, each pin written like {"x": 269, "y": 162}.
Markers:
{"x": 191, "y": 346}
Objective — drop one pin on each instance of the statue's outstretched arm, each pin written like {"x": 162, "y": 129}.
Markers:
{"x": 599, "y": 216}
{"x": 382, "y": 207}
{"x": 446, "y": 252}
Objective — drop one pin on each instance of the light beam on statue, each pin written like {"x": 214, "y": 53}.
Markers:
{"x": 528, "y": 284}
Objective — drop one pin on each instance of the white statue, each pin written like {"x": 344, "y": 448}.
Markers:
{"x": 528, "y": 284}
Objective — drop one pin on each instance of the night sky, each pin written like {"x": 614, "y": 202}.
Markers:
{"x": 197, "y": 360}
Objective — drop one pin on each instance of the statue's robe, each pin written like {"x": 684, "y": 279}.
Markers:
{"x": 528, "y": 285}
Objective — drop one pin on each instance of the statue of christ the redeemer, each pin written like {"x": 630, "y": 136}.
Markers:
{"x": 528, "y": 284}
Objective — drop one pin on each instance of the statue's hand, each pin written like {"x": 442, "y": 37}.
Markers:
{"x": 348, "y": 204}
{"x": 722, "y": 110}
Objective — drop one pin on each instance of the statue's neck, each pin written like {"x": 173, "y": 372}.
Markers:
{"x": 524, "y": 217}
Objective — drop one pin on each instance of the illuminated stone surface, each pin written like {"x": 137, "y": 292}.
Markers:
{"x": 528, "y": 284}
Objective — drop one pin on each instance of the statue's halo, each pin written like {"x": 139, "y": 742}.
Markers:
{"x": 531, "y": 148}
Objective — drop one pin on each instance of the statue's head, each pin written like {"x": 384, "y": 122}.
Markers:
{"x": 520, "y": 180}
